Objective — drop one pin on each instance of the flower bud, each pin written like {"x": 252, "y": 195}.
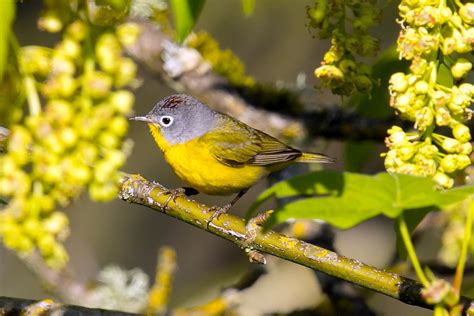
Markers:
{"x": 67, "y": 85}
{"x": 108, "y": 140}
{"x": 35, "y": 60}
{"x": 443, "y": 116}
{"x": 407, "y": 168}
{"x": 122, "y": 101}
{"x": 67, "y": 137}
{"x": 429, "y": 151}
{"x": 443, "y": 180}
{"x": 69, "y": 48}
{"x": 465, "y": 149}
{"x": 59, "y": 110}
{"x": 466, "y": 12}
{"x": 461, "y": 68}
{"x": 46, "y": 245}
{"x": 459, "y": 100}
{"x": 363, "y": 83}
{"x": 449, "y": 45}
{"x": 463, "y": 162}
{"x": 406, "y": 152}
{"x": 119, "y": 126}
{"x": 450, "y": 145}
{"x": 115, "y": 158}
{"x": 426, "y": 17}
{"x": 424, "y": 118}
{"x": 398, "y": 82}
{"x": 50, "y": 22}
{"x": 347, "y": 66}
{"x": 78, "y": 174}
{"x": 425, "y": 166}
{"x": 467, "y": 89}
{"x": 449, "y": 163}
{"x": 76, "y": 30}
{"x": 369, "y": 45}
{"x": 440, "y": 98}
{"x": 126, "y": 72}
{"x": 445, "y": 14}
{"x": 99, "y": 85}
{"x": 421, "y": 87}
{"x": 56, "y": 223}
{"x": 128, "y": 33}
{"x": 100, "y": 192}
{"x": 61, "y": 64}
{"x": 332, "y": 56}
{"x": 418, "y": 66}
{"x": 33, "y": 228}
{"x": 461, "y": 132}
{"x": 330, "y": 75}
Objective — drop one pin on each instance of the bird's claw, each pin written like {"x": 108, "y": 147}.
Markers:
{"x": 173, "y": 194}
{"x": 218, "y": 210}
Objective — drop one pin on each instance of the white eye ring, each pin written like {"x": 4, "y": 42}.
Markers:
{"x": 166, "y": 120}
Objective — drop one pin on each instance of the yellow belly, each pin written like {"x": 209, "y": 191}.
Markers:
{"x": 194, "y": 164}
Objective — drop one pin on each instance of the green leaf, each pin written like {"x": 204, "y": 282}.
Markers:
{"x": 7, "y": 15}
{"x": 357, "y": 153}
{"x": 444, "y": 76}
{"x": 186, "y": 13}
{"x": 248, "y": 7}
{"x": 346, "y": 199}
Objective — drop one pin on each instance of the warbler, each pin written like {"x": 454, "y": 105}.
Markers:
{"x": 215, "y": 153}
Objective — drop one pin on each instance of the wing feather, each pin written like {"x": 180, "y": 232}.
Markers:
{"x": 236, "y": 144}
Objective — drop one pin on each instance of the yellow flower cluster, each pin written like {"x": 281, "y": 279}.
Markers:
{"x": 433, "y": 93}
{"x": 223, "y": 62}
{"x": 339, "y": 70}
{"x": 75, "y": 141}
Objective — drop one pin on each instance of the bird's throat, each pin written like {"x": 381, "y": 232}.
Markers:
{"x": 158, "y": 137}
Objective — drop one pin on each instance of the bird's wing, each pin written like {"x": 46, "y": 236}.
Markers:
{"x": 237, "y": 144}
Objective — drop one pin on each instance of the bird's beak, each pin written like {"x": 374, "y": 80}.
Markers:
{"x": 141, "y": 118}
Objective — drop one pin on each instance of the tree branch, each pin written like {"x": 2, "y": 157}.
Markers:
{"x": 60, "y": 283}
{"x": 184, "y": 70}
{"x": 136, "y": 189}
{"x": 17, "y": 306}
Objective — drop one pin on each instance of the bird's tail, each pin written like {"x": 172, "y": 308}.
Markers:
{"x": 314, "y": 158}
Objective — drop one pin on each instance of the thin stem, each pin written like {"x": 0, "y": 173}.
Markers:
{"x": 34, "y": 104}
{"x": 465, "y": 246}
{"x": 402, "y": 226}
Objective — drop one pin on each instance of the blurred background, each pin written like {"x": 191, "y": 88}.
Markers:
{"x": 275, "y": 45}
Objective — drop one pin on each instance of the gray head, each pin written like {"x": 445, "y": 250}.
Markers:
{"x": 180, "y": 118}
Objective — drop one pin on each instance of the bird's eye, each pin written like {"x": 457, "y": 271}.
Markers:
{"x": 166, "y": 120}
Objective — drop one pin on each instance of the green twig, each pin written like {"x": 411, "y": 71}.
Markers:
{"x": 135, "y": 189}
{"x": 465, "y": 246}
{"x": 402, "y": 226}
{"x": 34, "y": 103}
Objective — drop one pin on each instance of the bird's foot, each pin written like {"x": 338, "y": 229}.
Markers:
{"x": 218, "y": 210}
{"x": 261, "y": 218}
{"x": 175, "y": 193}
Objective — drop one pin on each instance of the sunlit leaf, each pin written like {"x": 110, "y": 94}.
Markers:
{"x": 444, "y": 76}
{"x": 346, "y": 199}
{"x": 186, "y": 13}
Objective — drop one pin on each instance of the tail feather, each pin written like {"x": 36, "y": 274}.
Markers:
{"x": 314, "y": 158}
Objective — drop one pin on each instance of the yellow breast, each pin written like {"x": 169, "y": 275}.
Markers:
{"x": 194, "y": 164}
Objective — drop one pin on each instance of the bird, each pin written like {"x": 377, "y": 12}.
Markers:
{"x": 215, "y": 153}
